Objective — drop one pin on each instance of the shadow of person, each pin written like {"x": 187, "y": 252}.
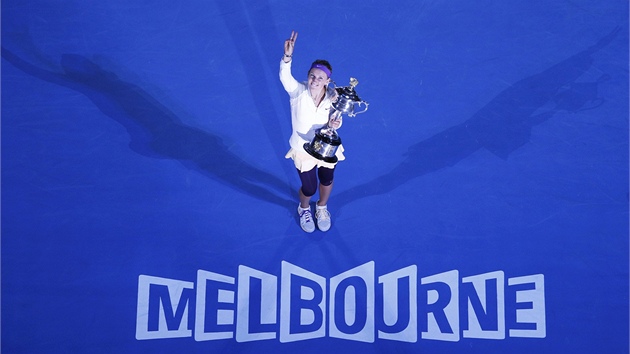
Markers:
{"x": 156, "y": 131}
{"x": 501, "y": 126}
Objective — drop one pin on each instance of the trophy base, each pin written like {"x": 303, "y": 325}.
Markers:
{"x": 324, "y": 147}
{"x": 317, "y": 155}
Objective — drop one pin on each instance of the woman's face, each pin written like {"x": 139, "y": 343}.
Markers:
{"x": 317, "y": 79}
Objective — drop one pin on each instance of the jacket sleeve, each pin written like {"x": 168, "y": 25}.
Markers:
{"x": 289, "y": 83}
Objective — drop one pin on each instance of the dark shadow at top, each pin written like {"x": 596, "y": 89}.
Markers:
{"x": 501, "y": 127}
{"x": 156, "y": 131}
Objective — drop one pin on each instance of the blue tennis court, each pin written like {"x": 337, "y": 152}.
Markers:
{"x": 148, "y": 207}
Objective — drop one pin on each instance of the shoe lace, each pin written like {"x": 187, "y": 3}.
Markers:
{"x": 306, "y": 216}
{"x": 322, "y": 214}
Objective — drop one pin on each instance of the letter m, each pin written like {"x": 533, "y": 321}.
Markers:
{"x": 164, "y": 308}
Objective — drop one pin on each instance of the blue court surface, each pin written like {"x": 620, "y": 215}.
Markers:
{"x": 147, "y": 206}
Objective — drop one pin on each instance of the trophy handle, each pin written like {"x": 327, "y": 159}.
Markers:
{"x": 359, "y": 104}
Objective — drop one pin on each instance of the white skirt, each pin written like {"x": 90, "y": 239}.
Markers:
{"x": 305, "y": 162}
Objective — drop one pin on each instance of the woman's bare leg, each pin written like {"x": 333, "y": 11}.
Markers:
{"x": 324, "y": 194}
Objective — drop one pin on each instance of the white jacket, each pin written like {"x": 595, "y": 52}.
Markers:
{"x": 305, "y": 117}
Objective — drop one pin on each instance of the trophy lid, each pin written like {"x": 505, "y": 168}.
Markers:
{"x": 348, "y": 92}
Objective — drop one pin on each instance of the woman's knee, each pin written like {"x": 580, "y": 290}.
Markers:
{"x": 326, "y": 176}
{"x": 309, "y": 190}
{"x": 309, "y": 182}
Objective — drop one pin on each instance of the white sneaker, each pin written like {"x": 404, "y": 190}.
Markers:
{"x": 306, "y": 219}
{"x": 323, "y": 217}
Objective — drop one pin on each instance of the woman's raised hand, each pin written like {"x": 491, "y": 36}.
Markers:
{"x": 289, "y": 44}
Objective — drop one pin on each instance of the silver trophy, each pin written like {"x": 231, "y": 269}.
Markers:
{"x": 326, "y": 141}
